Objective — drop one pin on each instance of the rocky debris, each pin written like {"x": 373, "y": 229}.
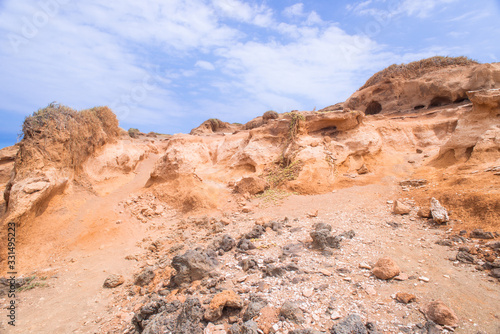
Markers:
{"x": 227, "y": 298}
{"x": 291, "y": 311}
{"x": 347, "y": 235}
{"x": 146, "y": 207}
{"x": 272, "y": 270}
{"x": 245, "y": 245}
{"x": 352, "y": 324}
{"x": 495, "y": 273}
{"x": 253, "y": 309}
{"x": 399, "y": 208}
{"x": 363, "y": 170}
{"x": 322, "y": 237}
{"x": 112, "y": 281}
{"x": 276, "y": 226}
{"x": 256, "y": 232}
{"x": 192, "y": 266}
{"x": 405, "y": 298}
{"x": 441, "y": 314}
{"x": 386, "y": 268}
{"x": 140, "y": 319}
{"x": 249, "y": 327}
{"x": 445, "y": 242}
{"x": 292, "y": 250}
{"x": 439, "y": 213}
{"x": 214, "y": 329}
{"x": 247, "y": 264}
{"x": 419, "y": 183}
{"x": 494, "y": 245}
{"x": 464, "y": 257}
{"x": 424, "y": 212}
{"x": 481, "y": 234}
{"x": 173, "y": 318}
{"x": 429, "y": 327}
{"x": 145, "y": 277}
{"x": 224, "y": 243}
{"x": 305, "y": 331}
{"x": 251, "y": 185}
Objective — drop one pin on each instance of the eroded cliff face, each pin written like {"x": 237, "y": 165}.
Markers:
{"x": 307, "y": 152}
{"x": 436, "y": 88}
{"x": 303, "y": 152}
{"x": 477, "y": 135}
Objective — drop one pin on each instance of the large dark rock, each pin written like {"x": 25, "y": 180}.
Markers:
{"x": 185, "y": 320}
{"x": 323, "y": 239}
{"x": 352, "y": 324}
{"x": 192, "y": 266}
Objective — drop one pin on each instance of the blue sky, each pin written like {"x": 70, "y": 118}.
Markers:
{"x": 167, "y": 66}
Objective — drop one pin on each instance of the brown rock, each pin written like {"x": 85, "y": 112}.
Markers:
{"x": 424, "y": 212}
{"x": 226, "y": 298}
{"x": 252, "y": 185}
{"x": 386, "y": 268}
{"x": 441, "y": 314}
{"x": 400, "y": 208}
{"x": 405, "y": 298}
{"x": 112, "y": 281}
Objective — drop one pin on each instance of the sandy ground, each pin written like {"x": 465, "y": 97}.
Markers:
{"x": 75, "y": 302}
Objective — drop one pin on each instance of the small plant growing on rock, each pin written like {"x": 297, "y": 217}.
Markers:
{"x": 293, "y": 128}
{"x": 282, "y": 172}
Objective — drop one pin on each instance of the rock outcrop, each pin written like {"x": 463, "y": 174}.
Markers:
{"x": 424, "y": 84}
{"x": 57, "y": 141}
{"x": 477, "y": 135}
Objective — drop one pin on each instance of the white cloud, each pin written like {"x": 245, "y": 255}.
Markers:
{"x": 205, "y": 65}
{"x": 242, "y": 11}
{"x": 294, "y": 10}
{"x": 138, "y": 57}
{"x": 383, "y": 10}
{"x": 318, "y": 67}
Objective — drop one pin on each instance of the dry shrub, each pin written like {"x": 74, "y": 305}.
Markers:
{"x": 58, "y": 136}
{"x": 270, "y": 114}
{"x": 416, "y": 69}
{"x": 283, "y": 171}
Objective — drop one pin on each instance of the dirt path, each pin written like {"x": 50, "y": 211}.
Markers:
{"x": 75, "y": 299}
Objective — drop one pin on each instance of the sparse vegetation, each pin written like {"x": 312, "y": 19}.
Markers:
{"x": 282, "y": 172}
{"x": 270, "y": 114}
{"x": 293, "y": 128}
{"x": 417, "y": 68}
{"x": 59, "y": 135}
{"x": 215, "y": 123}
{"x": 273, "y": 196}
{"x": 30, "y": 283}
{"x": 133, "y": 132}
